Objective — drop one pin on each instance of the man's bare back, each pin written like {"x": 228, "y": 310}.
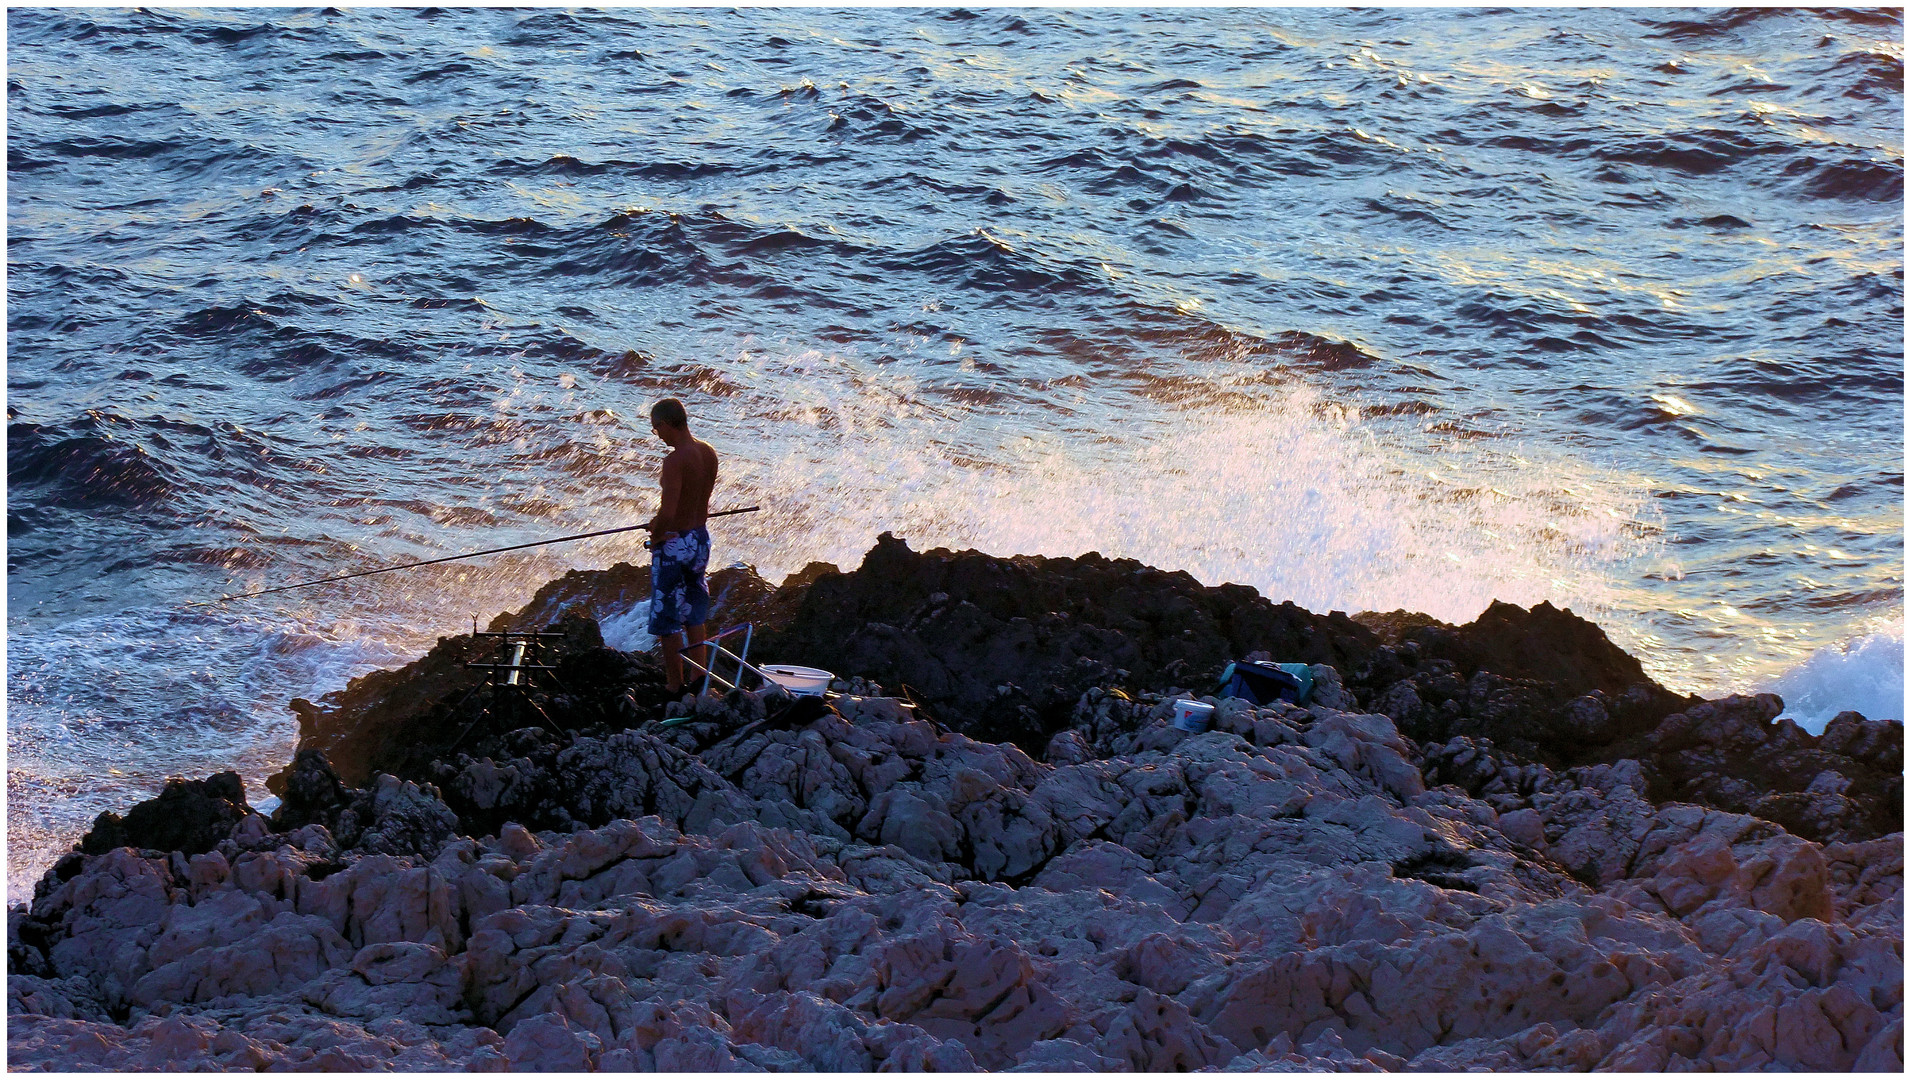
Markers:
{"x": 689, "y": 475}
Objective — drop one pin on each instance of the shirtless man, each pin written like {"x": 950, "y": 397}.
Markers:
{"x": 679, "y": 542}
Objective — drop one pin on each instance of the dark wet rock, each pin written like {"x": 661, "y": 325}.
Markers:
{"x": 1007, "y": 649}
{"x": 310, "y": 792}
{"x": 1731, "y": 755}
{"x": 189, "y": 816}
{"x": 1542, "y": 682}
{"x": 1002, "y": 648}
{"x": 1735, "y": 754}
{"x": 390, "y": 816}
{"x": 1573, "y": 699}
{"x": 435, "y": 707}
{"x": 1543, "y": 643}
{"x": 27, "y": 941}
{"x": 401, "y": 817}
{"x": 399, "y": 721}
{"x": 1878, "y": 741}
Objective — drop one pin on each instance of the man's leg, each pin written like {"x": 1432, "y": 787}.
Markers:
{"x": 673, "y": 662}
{"x": 698, "y": 653}
{"x": 696, "y": 595}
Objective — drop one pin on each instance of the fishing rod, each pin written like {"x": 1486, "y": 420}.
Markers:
{"x": 449, "y": 558}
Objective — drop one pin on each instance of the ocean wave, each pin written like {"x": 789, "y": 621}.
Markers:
{"x": 79, "y": 731}
{"x": 197, "y": 156}
{"x": 1288, "y": 497}
{"x": 870, "y": 119}
{"x": 1716, "y": 24}
{"x": 1865, "y": 675}
{"x": 1876, "y": 76}
{"x": 1822, "y": 377}
{"x": 568, "y": 165}
{"x": 639, "y": 248}
{"x": 84, "y": 471}
{"x": 1695, "y": 153}
{"x": 979, "y": 260}
{"x": 1867, "y": 179}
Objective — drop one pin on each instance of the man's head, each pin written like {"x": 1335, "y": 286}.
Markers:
{"x": 668, "y": 415}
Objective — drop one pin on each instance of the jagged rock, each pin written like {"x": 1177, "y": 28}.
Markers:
{"x": 311, "y": 792}
{"x": 189, "y": 816}
{"x": 406, "y": 819}
{"x": 956, "y": 628}
{"x": 785, "y": 885}
{"x": 1733, "y": 754}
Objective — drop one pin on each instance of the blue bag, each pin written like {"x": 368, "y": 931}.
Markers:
{"x": 1261, "y": 683}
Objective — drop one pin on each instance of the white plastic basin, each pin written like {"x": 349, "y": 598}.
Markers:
{"x": 801, "y": 681}
{"x": 1193, "y": 716}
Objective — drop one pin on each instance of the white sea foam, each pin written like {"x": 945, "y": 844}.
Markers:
{"x": 629, "y": 631}
{"x": 1295, "y": 497}
{"x": 1864, "y": 675}
{"x": 102, "y": 709}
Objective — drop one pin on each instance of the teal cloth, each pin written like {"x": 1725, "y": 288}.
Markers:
{"x": 1306, "y": 676}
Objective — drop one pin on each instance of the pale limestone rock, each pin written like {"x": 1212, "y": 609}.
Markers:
{"x": 518, "y": 842}
{"x": 1158, "y": 1034}
{"x": 919, "y": 825}
{"x": 1885, "y": 1052}
{"x": 1524, "y": 827}
{"x": 1328, "y": 693}
{"x": 1601, "y": 817}
{"x": 282, "y": 955}
{"x": 826, "y": 1036}
{"x": 1274, "y": 894}
{"x": 64, "y": 999}
{"x": 1061, "y": 1056}
{"x": 1068, "y": 748}
{"x": 1098, "y": 864}
{"x": 548, "y": 1043}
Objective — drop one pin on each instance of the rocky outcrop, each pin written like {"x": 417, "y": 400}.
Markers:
{"x": 187, "y": 815}
{"x": 863, "y": 890}
{"x": 399, "y": 721}
{"x": 610, "y": 880}
{"x": 1733, "y": 755}
{"x": 1846, "y": 784}
{"x": 1001, "y": 648}
{"x": 1542, "y": 683}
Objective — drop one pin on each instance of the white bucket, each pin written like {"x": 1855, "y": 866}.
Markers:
{"x": 800, "y": 681}
{"x": 1193, "y": 715}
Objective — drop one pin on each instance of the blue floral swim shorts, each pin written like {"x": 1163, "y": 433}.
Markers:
{"x": 679, "y": 596}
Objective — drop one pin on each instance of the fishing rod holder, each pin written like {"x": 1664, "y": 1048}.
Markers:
{"x": 521, "y": 651}
{"x": 518, "y": 661}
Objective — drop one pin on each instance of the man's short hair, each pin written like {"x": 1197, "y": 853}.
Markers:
{"x": 669, "y": 412}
